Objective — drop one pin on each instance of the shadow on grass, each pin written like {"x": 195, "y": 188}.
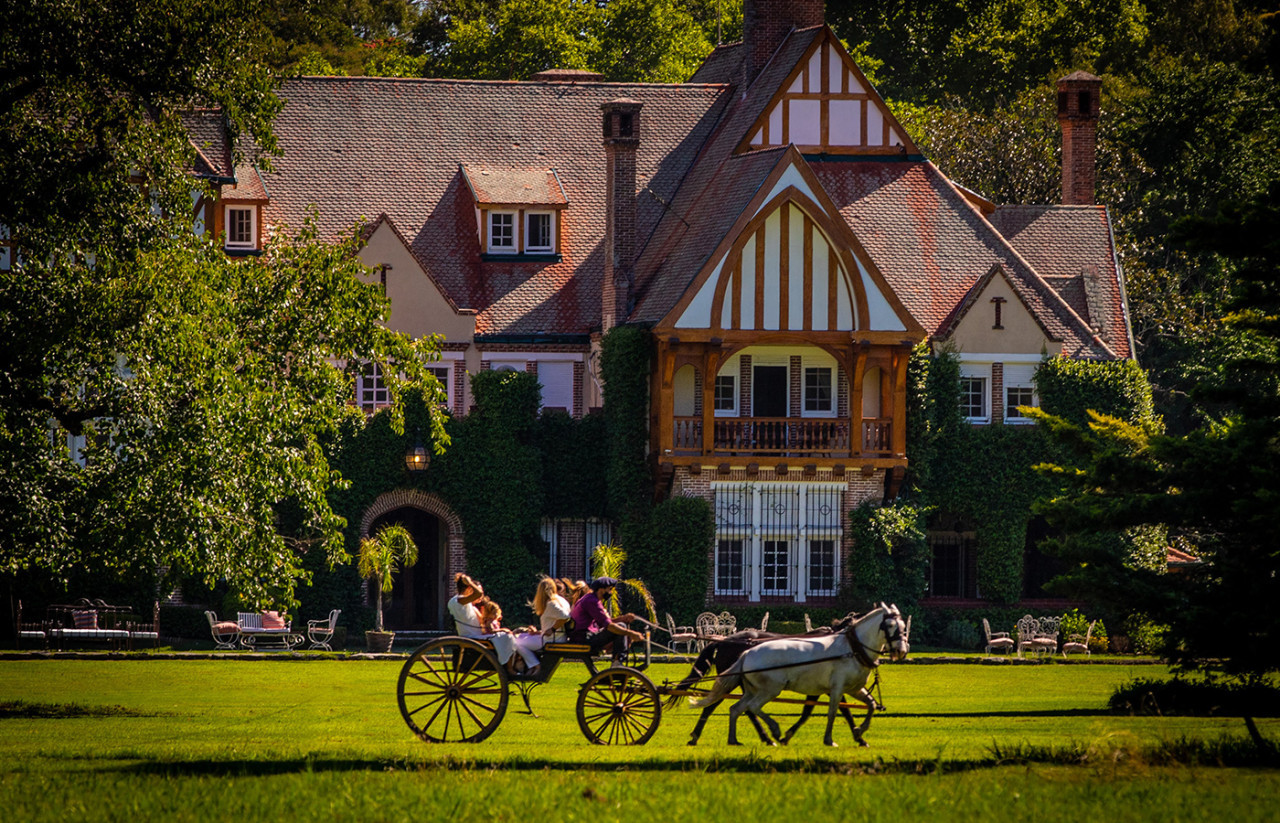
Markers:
{"x": 56, "y": 711}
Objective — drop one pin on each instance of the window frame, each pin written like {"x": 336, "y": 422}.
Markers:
{"x": 491, "y": 217}
{"x": 371, "y": 372}
{"x": 550, "y": 247}
{"x": 227, "y": 222}
{"x": 830, "y": 410}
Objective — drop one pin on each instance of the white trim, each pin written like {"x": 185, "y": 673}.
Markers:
{"x": 550, "y": 248}
{"x": 489, "y": 216}
{"x": 510, "y": 356}
{"x": 252, "y": 242}
{"x": 967, "y": 358}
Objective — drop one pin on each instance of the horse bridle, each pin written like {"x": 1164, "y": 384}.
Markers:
{"x": 860, "y": 649}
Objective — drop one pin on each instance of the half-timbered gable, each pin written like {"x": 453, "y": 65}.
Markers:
{"x": 827, "y": 106}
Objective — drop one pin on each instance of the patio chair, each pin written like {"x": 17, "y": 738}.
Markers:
{"x": 708, "y": 629}
{"x": 1046, "y": 638}
{"x": 225, "y": 633}
{"x": 764, "y": 624}
{"x": 808, "y": 626}
{"x": 996, "y": 640}
{"x": 1028, "y": 628}
{"x": 320, "y": 632}
{"x": 728, "y": 623}
{"x": 681, "y": 635}
{"x": 1078, "y": 643}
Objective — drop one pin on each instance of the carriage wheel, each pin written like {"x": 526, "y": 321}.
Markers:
{"x": 619, "y": 706}
{"x": 452, "y": 690}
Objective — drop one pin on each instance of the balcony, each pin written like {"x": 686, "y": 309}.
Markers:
{"x": 783, "y": 436}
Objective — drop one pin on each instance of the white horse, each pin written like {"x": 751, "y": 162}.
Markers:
{"x": 836, "y": 664}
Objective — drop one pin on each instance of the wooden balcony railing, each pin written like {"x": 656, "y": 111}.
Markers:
{"x": 783, "y": 436}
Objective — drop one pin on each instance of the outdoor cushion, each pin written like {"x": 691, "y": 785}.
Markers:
{"x": 272, "y": 620}
{"x": 225, "y": 627}
{"x": 85, "y": 618}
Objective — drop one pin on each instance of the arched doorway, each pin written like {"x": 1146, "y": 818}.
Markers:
{"x": 419, "y": 593}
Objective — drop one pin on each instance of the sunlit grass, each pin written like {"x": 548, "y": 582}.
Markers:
{"x": 323, "y": 739}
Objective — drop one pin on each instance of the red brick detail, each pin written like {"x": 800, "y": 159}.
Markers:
{"x": 697, "y": 392}
{"x": 459, "y": 387}
{"x": 1079, "y": 100}
{"x": 571, "y": 548}
{"x": 842, "y": 394}
{"x": 744, "y": 386}
{"x": 621, "y": 138}
{"x": 531, "y": 367}
{"x": 766, "y": 23}
{"x": 579, "y": 371}
{"x": 997, "y": 393}
{"x": 797, "y": 386}
{"x": 456, "y": 559}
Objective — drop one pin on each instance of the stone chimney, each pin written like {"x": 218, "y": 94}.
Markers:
{"x": 766, "y": 23}
{"x": 621, "y": 138}
{"x": 1079, "y": 96}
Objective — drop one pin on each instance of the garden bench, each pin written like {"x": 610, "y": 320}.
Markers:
{"x": 257, "y": 627}
{"x": 36, "y": 631}
{"x": 94, "y": 620}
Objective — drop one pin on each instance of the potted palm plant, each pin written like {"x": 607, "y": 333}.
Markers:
{"x": 384, "y": 554}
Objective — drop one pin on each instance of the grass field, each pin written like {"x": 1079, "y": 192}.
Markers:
{"x": 323, "y": 740}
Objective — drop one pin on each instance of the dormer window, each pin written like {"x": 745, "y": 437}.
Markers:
{"x": 502, "y": 232}
{"x": 518, "y": 213}
{"x": 539, "y": 232}
{"x": 241, "y": 227}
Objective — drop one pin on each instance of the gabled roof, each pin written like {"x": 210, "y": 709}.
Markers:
{"x": 208, "y": 133}
{"x": 1073, "y": 249}
{"x": 975, "y": 292}
{"x": 359, "y": 147}
{"x": 716, "y": 189}
{"x": 932, "y": 246}
{"x": 371, "y": 229}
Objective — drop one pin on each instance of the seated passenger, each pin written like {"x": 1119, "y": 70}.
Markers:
{"x": 467, "y": 618}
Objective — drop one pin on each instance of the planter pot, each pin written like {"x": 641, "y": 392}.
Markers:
{"x": 379, "y": 641}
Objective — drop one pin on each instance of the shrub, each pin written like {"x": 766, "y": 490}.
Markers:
{"x": 672, "y": 555}
{"x": 1203, "y": 698}
{"x": 962, "y": 634}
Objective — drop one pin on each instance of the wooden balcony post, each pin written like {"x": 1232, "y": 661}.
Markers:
{"x": 666, "y": 398}
{"x": 901, "y": 357}
{"x": 710, "y": 366}
{"x": 855, "y": 399}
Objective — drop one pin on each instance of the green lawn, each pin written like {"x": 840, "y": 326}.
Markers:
{"x": 323, "y": 739}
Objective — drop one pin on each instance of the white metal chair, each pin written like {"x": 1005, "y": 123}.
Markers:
{"x": 996, "y": 640}
{"x": 1078, "y": 643}
{"x": 708, "y": 629}
{"x": 1046, "y": 638}
{"x": 225, "y": 633}
{"x": 728, "y": 624}
{"x": 1028, "y": 628}
{"x": 684, "y": 636}
{"x": 764, "y": 624}
{"x": 320, "y": 632}
{"x": 808, "y": 626}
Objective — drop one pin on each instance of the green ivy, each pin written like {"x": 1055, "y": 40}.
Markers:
{"x": 574, "y": 468}
{"x": 889, "y": 558}
{"x": 672, "y": 556}
{"x": 1070, "y": 388}
{"x": 625, "y": 359}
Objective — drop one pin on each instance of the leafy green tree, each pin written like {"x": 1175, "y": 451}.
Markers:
{"x": 169, "y": 410}
{"x": 1215, "y": 488}
{"x": 655, "y": 41}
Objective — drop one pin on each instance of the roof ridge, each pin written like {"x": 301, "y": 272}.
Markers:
{"x": 1038, "y": 283}
{"x": 484, "y": 82}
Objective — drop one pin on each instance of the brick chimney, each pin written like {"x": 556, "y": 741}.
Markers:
{"x": 766, "y": 23}
{"x": 1079, "y": 96}
{"x": 621, "y": 137}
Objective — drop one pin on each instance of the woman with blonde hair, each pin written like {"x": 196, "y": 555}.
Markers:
{"x": 552, "y": 611}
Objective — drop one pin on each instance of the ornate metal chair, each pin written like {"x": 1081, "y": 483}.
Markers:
{"x": 996, "y": 640}
{"x": 320, "y": 632}
{"x": 1028, "y": 628}
{"x": 1079, "y": 643}
{"x": 685, "y": 636}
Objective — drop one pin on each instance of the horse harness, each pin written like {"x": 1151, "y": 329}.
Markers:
{"x": 857, "y": 650}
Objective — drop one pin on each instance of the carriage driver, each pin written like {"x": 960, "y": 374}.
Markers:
{"x": 593, "y": 626}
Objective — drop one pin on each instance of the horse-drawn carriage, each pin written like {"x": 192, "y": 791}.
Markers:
{"x": 454, "y": 690}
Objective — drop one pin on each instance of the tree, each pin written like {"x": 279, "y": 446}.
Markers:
{"x": 189, "y": 398}
{"x": 382, "y": 556}
{"x": 1215, "y": 488}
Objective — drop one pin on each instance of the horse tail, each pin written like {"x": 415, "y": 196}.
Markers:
{"x": 699, "y": 670}
{"x": 726, "y": 682}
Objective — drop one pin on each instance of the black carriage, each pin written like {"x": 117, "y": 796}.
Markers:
{"x": 453, "y": 690}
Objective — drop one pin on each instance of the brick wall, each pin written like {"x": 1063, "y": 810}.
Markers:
{"x": 997, "y": 393}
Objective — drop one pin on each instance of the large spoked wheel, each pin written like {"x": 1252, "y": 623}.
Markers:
{"x": 619, "y": 707}
{"x": 452, "y": 690}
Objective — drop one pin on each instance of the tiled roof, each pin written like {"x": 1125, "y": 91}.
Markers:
{"x": 723, "y": 65}
{"x": 1072, "y": 247}
{"x": 208, "y": 131}
{"x": 359, "y": 147}
{"x": 933, "y": 246}
{"x": 716, "y": 190}
{"x": 248, "y": 186}
{"x": 533, "y": 187}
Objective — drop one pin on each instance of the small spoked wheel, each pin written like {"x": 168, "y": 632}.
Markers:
{"x": 452, "y": 690}
{"x": 619, "y": 707}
